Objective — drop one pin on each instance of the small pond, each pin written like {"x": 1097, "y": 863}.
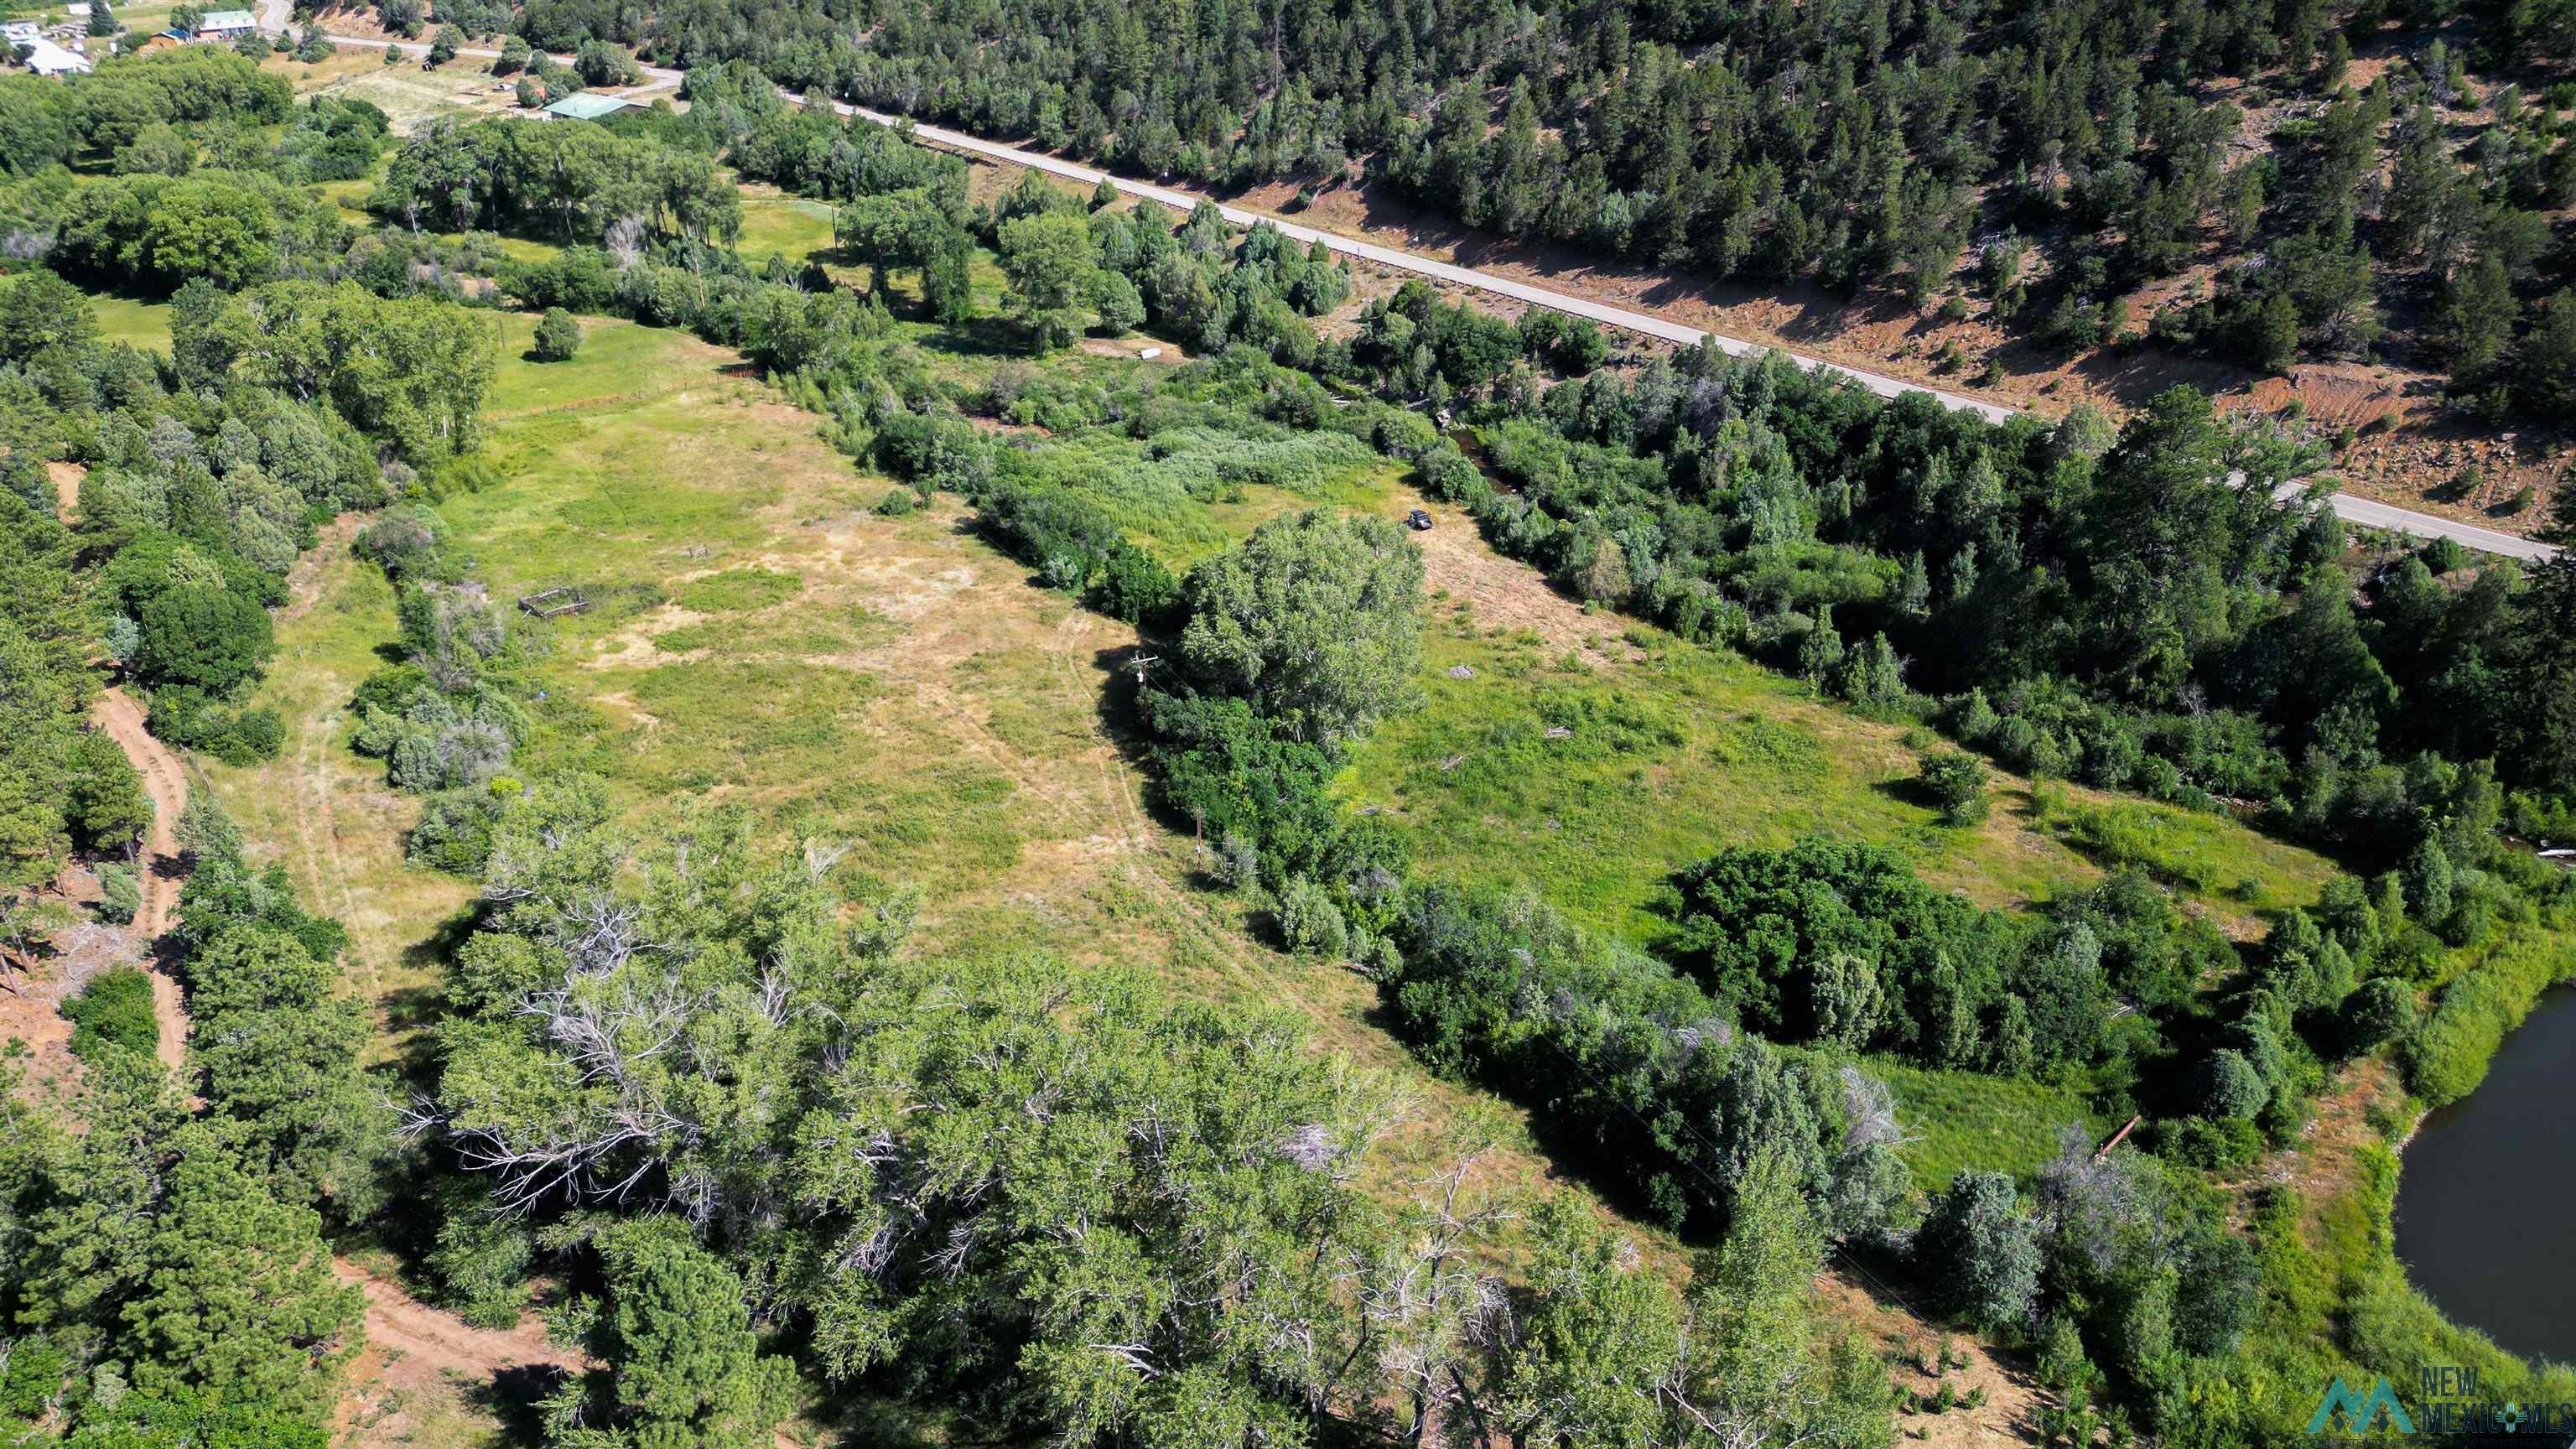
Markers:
{"x": 2484, "y": 1221}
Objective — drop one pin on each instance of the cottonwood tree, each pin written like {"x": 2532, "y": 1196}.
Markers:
{"x": 1431, "y": 1308}
{"x": 1602, "y": 1350}
{"x": 912, "y": 229}
{"x": 603, "y": 1011}
{"x": 1049, "y": 259}
{"x": 1754, "y": 1375}
{"x": 1065, "y": 1151}
{"x": 418, "y": 385}
{"x": 1158, "y": 1205}
{"x": 1594, "y": 1342}
{"x": 1315, "y": 619}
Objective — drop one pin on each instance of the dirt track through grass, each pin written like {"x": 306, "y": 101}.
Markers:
{"x": 915, "y": 696}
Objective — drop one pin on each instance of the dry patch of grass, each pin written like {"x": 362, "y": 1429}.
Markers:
{"x": 2004, "y": 1388}
{"x": 409, "y": 95}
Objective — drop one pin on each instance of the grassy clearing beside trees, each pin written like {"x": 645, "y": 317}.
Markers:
{"x": 1973, "y": 1121}
{"x": 764, "y": 632}
{"x": 915, "y": 698}
{"x": 1672, "y": 750}
{"x": 765, "y": 635}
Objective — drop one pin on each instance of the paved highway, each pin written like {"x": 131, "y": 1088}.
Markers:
{"x": 2363, "y": 511}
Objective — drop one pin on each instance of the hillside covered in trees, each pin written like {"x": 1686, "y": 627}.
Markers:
{"x": 2287, "y": 181}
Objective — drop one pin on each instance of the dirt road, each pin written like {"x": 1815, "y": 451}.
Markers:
{"x": 160, "y": 867}
{"x": 425, "y": 1372}
{"x": 421, "y": 1344}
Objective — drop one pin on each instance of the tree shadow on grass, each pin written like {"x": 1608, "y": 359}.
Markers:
{"x": 411, "y": 1011}
{"x": 1127, "y": 725}
{"x": 982, "y": 337}
{"x": 1910, "y": 790}
{"x": 513, "y": 1396}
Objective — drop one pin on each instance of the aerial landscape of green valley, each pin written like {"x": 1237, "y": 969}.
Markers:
{"x": 1811, "y": 724}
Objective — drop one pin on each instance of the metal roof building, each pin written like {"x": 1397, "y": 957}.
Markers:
{"x": 586, "y": 106}
{"x": 46, "y": 58}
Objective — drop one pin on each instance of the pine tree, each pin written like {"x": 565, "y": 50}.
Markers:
{"x": 2477, "y": 324}
{"x": 1821, "y": 652}
{"x": 2336, "y": 64}
{"x": 2545, "y": 365}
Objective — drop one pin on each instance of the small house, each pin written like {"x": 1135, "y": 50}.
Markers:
{"x": 585, "y": 106}
{"x": 160, "y": 40}
{"x": 225, "y": 24}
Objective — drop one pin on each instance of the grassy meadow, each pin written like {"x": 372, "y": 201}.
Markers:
{"x": 1589, "y": 760}
{"x": 133, "y": 321}
{"x": 775, "y": 223}
{"x": 1959, "y": 1120}
{"x": 897, "y": 690}
{"x": 759, "y": 635}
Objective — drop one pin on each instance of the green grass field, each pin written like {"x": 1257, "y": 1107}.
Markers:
{"x": 777, "y": 224}
{"x": 1588, "y": 776}
{"x": 619, "y": 365}
{"x": 1186, "y": 495}
{"x": 2208, "y": 856}
{"x": 1955, "y": 1121}
{"x": 126, "y": 319}
{"x": 129, "y": 320}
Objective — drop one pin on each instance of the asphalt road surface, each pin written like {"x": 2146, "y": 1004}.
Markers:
{"x": 2361, "y": 511}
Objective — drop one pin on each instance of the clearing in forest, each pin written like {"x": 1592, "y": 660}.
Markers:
{"x": 761, "y": 635}
{"x": 1585, "y": 756}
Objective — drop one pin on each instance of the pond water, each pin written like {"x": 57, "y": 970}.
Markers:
{"x": 2483, "y": 1217}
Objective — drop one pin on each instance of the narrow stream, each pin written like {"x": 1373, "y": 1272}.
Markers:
{"x": 2484, "y": 1217}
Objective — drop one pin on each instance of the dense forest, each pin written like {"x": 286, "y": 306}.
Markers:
{"x": 2035, "y": 163}
{"x": 773, "y": 1152}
